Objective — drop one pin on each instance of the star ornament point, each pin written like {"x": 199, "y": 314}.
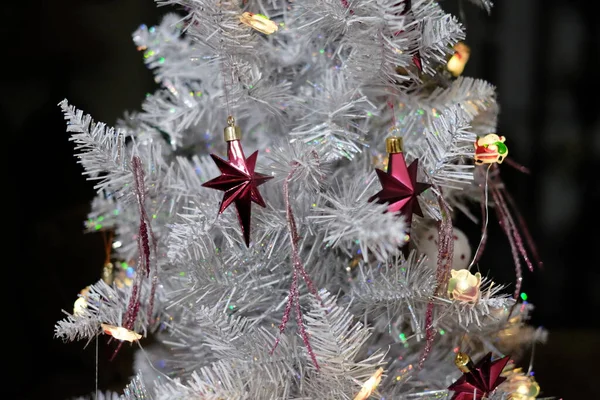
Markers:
{"x": 400, "y": 190}
{"x": 240, "y": 183}
{"x": 481, "y": 379}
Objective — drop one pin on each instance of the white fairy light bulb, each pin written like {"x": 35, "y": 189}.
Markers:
{"x": 464, "y": 286}
{"x": 118, "y": 332}
{"x": 370, "y": 385}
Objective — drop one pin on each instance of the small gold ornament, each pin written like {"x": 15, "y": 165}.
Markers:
{"x": 232, "y": 131}
{"x": 370, "y": 385}
{"x": 464, "y": 286}
{"x": 463, "y": 362}
{"x": 490, "y": 149}
{"x": 456, "y": 64}
{"x": 120, "y": 333}
{"x": 259, "y": 22}
{"x": 394, "y": 145}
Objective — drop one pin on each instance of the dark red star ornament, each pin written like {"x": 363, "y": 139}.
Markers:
{"x": 399, "y": 184}
{"x": 238, "y": 179}
{"x": 478, "y": 380}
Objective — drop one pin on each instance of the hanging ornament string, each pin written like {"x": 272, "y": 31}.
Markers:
{"x": 225, "y": 87}
{"x": 294, "y": 295}
{"x": 444, "y": 264}
{"x": 484, "y": 235}
{"x": 224, "y": 72}
{"x": 485, "y": 214}
{"x": 391, "y": 106}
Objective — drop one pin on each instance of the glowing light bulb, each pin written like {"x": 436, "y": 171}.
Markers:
{"x": 80, "y": 306}
{"x": 370, "y": 385}
{"x": 464, "y": 286}
{"x": 259, "y": 22}
{"x": 118, "y": 332}
{"x": 458, "y": 61}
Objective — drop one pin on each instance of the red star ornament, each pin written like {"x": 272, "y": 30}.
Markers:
{"x": 478, "y": 380}
{"x": 238, "y": 179}
{"x": 400, "y": 187}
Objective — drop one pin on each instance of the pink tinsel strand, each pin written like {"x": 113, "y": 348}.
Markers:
{"x": 288, "y": 308}
{"x": 133, "y": 306}
{"x": 131, "y": 314}
{"x": 508, "y": 228}
{"x": 145, "y": 233}
{"x": 429, "y": 334}
{"x": 303, "y": 332}
{"x": 309, "y": 283}
{"x": 145, "y": 230}
{"x": 298, "y": 267}
{"x": 517, "y": 166}
{"x": 525, "y": 229}
{"x": 346, "y": 4}
{"x": 515, "y": 231}
{"x": 513, "y": 226}
{"x": 445, "y": 249}
{"x": 444, "y": 264}
{"x": 144, "y": 246}
{"x": 114, "y": 354}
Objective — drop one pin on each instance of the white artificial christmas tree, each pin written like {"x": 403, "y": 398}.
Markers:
{"x": 340, "y": 281}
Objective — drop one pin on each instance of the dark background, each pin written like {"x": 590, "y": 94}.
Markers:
{"x": 541, "y": 55}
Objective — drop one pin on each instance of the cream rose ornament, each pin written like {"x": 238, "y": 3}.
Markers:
{"x": 464, "y": 286}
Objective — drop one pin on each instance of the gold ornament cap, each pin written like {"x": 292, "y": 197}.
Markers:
{"x": 393, "y": 145}
{"x": 463, "y": 362}
{"x": 232, "y": 131}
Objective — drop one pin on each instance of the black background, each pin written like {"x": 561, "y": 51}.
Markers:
{"x": 541, "y": 55}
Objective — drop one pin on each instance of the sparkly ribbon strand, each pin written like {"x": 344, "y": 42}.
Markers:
{"x": 145, "y": 235}
{"x": 145, "y": 231}
{"x": 444, "y": 262}
{"x": 294, "y": 295}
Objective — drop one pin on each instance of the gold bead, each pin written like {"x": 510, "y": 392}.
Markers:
{"x": 463, "y": 362}
{"x": 393, "y": 144}
{"x": 232, "y": 131}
